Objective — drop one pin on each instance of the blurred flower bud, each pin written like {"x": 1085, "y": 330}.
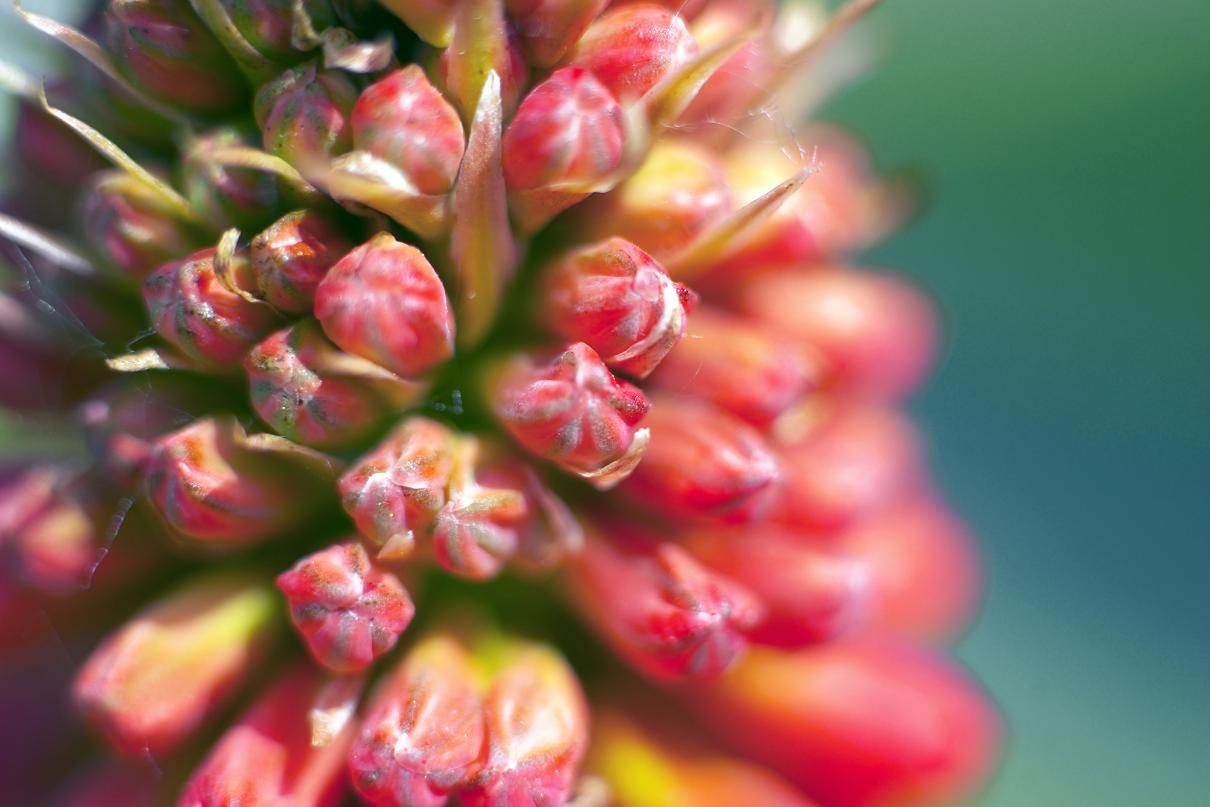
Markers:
{"x": 292, "y": 255}
{"x": 431, "y": 20}
{"x": 303, "y": 114}
{"x": 156, "y": 681}
{"x": 549, "y": 531}
{"x": 229, "y": 197}
{"x": 113, "y": 783}
{"x": 131, "y": 227}
{"x": 348, "y": 611}
{"x": 571, "y": 410}
{"x": 548, "y": 28}
{"x": 616, "y": 299}
{"x": 631, "y": 49}
{"x": 384, "y": 302}
{"x": 268, "y": 25}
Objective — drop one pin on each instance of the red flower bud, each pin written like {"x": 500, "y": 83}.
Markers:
{"x": 312, "y": 393}
{"x": 397, "y": 489}
{"x": 704, "y": 463}
{"x": 384, "y": 302}
{"x": 164, "y": 48}
{"x": 292, "y": 255}
{"x": 738, "y": 366}
{"x": 668, "y": 615}
{"x": 858, "y": 723}
{"x": 811, "y": 594}
{"x": 303, "y": 114}
{"x": 615, "y": 298}
{"x": 572, "y": 411}
{"x": 548, "y": 28}
{"x": 876, "y": 334}
{"x": 404, "y": 120}
{"x": 208, "y": 317}
{"x": 633, "y": 48}
{"x": 424, "y": 732}
{"x": 348, "y": 611}
{"x": 151, "y": 685}
{"x": 267, "y": 758}
{"x": 549, "y": 531}
{"x": 129, "y": 224}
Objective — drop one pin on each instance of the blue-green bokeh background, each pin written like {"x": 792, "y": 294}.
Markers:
{"x": 1065, "y": 143}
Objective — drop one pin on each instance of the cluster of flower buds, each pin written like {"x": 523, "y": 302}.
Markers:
{"x": 377, "y": 294}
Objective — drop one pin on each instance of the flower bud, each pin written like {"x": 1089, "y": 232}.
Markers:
{"x": 615, "y": 298}
{"x": 208, "y": 317}
{"x": 876, "y": 334}
{"x": 732, "y": 91}
{"x": 348, "y": 611}
{"x": 633, "y": 48}
{"x": 537, "y": 730}
{"x": 229, "y": 197}
{"x": 484, "y": 42}
{"x": 292, "y": 255}
{"x": 669, "y": 616}
{"x": 267, "y": 758}
{"x": 156, "y": 681}
{"x": 129, "y": 224}
{"x": 164, "y": 48}
{"x": 811, "y": 594}
{"x": 858, "y": 723}
{"x": 549, "y": 531}
{"x": 847, "y": 466}
{"x": 312, "y": 393}
{"x": 704, "y": 463}
{"x": 384, "y": 302}
{"x": 572, "y": 411}
{"x": 738, "y": 366}
{"x": 268, "y": 25}
{"x": 303, "y": 114}
{"x": 424, "y": 733}
{"x": 548, "y": 28}
{"x": 394, "y": 492}
{"x": 403, "y": 120}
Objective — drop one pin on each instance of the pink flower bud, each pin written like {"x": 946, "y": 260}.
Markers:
{"x": 208, "y": 317}
{"x": 303, "y": 114}
{"x": 665, "y": 613}
{"x": 131, "y": 227}
{"x": 857, "y": 723}
{"x": 704, "y": 463}
{"x": 738, "y": 366}
{"x": 549, "y": 531}
{"x": 537, "y": 730}
{"x": 268, "y": 25}
{"x": 394, "y": 492}
{"x": 633, "y": 48}
{"x": 811, "y": 594}
{"x": 571, "y": 410}
{"x": 876, "y": 334}
{"x": 384, "y": 302}
{"x": 403, "y": 120}
{"x": 164, "y": 48}
{"x": 851, "y": 462}
{"x": 424, "y": 733}
{"x": 348, "y": 611}
{"x": 267, "y": 758}
{"x": 292, "y": 255}
{"x": 312, "y": 393}
{"x": 616, "y": 299}
{"x": 156, "y": 681}
{"x": 548, "y": 28}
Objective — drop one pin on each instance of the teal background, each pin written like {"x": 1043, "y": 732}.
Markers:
{"x": 1065, "y": 147}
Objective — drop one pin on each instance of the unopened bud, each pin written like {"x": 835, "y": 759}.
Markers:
{"x": 229, "y": 197}
{"x": 633, "y": 48}
{"x": 703, "y": 463}
{"x": 619, "y": 301}
{"x": 131, "y": 226}
{"x": 269, "y": 25}
{"x": 312, "y": 393}
{"x": 292, "y": 255}
{"x": 267, "y": 758}
{"x": 303, "y": 114}
{"x": 548, "y": 28}
{"x": 424, "y": 733}
{"x": 550, "y": 531}
{"x": 484, "y": 42}
{"x": 156, "y": 681}
{"x": 384, "y": 302}
{"x": 571, "y": 410}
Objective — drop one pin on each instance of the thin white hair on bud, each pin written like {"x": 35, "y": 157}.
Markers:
{"x": 48, "y": 246}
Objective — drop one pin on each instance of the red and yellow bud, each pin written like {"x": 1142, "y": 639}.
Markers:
{"x": 431, "y": 20}
{"x": 857, "y": 723}
{"x": 703, "y": 463}
{"x": 633, "y": 48}
{"x": 131, "y": 227}
{"x": 424, "y": 734}
{"x": 348, "y": 611}
{"x": 303, "y": 114}
{"x": 292, "y": 255}
{"x": 384, "y": 302}
{"x": 154, "y": 683}
{"x": 619, "y": 301}
{"x": 206, "y": 310}
{"x": 571, "y": 410}
{"x": 664, "y": 612}
{"x": 268, "y": 759}
{"x": 312, "y": 393}
{"x": 548, "y": 28}
{"x": 484, "y": 42}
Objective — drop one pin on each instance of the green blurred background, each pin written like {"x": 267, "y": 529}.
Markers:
{"x": 1065, "y": 143}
